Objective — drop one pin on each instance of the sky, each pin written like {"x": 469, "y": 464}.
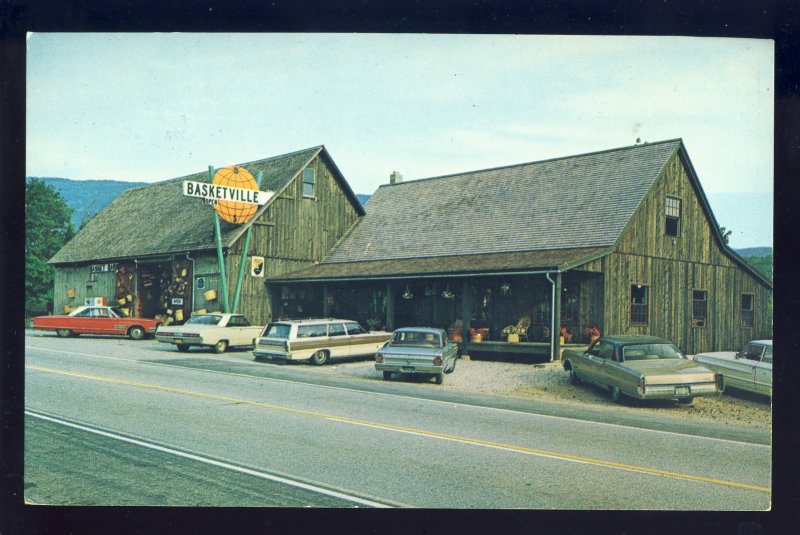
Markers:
{"x": 148, "y": 107}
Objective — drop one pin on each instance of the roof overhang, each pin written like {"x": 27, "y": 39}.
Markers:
{"x": 439, "y": 267}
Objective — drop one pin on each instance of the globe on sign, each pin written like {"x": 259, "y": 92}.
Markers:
{"x": 233, "y": 211}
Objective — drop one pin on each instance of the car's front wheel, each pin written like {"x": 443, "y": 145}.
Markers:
{"x": 64, "y": 333}
{"x": 319, "y": 358}
{"x": 136, "y": 333}
{"x": 439, "y": 378}
{"x": 616, "y": 395}
{"x": 221, "y": 346}
{"x": 387, "y": 376}
{"x": 183, "y": 348}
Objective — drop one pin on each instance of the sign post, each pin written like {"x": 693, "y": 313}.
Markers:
{"x": 236, "y": 196}
{"x": 243, "y": 262}
{"x": 220, "y": 260}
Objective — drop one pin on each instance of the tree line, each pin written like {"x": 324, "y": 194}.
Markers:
{"x": 48, "y": 227}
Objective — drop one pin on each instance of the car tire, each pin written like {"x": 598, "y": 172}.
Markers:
{"x": 183, "y": 348}
{"x": 136, "y": 333}
{"x": 616, "y": 395}
{"x": 438, "y": 378}
{"x": 387, "y": 376}
{"x": 573, "y": 377}
{"x": 221, "y": 346}
{"x": 685, "y": 401}
{"x": 64, "y": 333}
{"x": 319, "y": 358}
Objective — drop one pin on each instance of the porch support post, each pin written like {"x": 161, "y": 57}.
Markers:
{"x": 326, "y": 307}
{"x": 466, "y": 307}
{"x": 389, "y": 306}
{"x": 556, "y": 329}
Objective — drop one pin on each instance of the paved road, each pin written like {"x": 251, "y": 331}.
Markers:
{"x": 112, "y": 421}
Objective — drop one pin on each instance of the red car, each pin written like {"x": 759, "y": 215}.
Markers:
{"x": 97, "y": 320}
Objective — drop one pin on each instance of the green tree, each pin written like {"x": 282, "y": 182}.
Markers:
{"x": 726, "y": 234}
{"x": 48, "y": 226}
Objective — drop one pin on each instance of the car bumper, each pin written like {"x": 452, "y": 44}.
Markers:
{"x": 271, "y": 354}
{"x": 408, "y": 368}
{"x": 181, "y": 340}
{"x": 678, "y": 391}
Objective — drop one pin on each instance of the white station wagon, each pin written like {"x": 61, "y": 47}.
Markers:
{"x": 317, "y": 340}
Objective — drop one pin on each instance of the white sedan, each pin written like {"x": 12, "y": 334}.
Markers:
{"x": 750, "y": 369}
{"x": 217, "y": 330}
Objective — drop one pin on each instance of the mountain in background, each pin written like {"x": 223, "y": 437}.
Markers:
{"x": 754, "y": 251}
{"x": 88, "y": 197}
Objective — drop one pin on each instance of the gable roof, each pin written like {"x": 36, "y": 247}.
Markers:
{"x": 573, "y": 202}
{"x": 541, "y": 216}
{"x": 158, "y": 219}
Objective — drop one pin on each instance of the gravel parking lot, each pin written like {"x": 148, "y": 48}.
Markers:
{"x": 549, "y": 382}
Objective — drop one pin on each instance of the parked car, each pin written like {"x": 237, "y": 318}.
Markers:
{"x": 419, "y": 350}
{"x": 216, "y": 330}
{"x": 750, "y": 369}
{"x": 97, "y": 320}
{"x": 641, "y": 367}
{"x": 317, "y": 340}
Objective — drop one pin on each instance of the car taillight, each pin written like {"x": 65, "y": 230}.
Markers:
{"x": 437, "y": 361}
{"x": 378, "y": 357}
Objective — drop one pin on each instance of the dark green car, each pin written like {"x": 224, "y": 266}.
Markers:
{"x": 641, "y": 367}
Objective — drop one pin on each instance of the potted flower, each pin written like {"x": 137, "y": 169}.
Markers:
{"x": 475, "y": 335}
{"x": 512, "y": 333}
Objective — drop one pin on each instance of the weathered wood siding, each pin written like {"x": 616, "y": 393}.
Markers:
{"x": 672, "y": 267}
{"x": 293, "y": 233}
{"x": 85, "y": 285}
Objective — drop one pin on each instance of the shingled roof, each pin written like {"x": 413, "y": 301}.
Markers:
{"x": 158, "y": 219}
{"x": 553, "y": 210}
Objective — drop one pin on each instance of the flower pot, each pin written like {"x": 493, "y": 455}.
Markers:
{"x": 561, "y": 340}
{"x": 513, "y": 338}
{"x": 593, "y": 338}
{"x": 454, "y": 334}
{"x": 71, "y": 293}
{"x": 210, "y": 295}
{"x": 476, "y": 338}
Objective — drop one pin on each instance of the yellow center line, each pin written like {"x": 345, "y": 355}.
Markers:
{"x": 432, "y": 434}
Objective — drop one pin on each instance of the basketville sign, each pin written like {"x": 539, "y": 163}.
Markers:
{"x": 213, "y": 192}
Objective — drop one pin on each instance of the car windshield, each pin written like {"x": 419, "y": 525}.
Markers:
{"x": 415, "y": 338}
{"x": 650, "y": 352}
{"x": 277, "y": 330}
{"x": 204, "y": 319}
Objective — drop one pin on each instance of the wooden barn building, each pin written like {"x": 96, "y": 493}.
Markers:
{"x": 623, "y": 240}
{"x": 153, "y": 250}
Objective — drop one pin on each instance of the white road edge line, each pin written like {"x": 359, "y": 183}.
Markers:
{"x": 563, "y": 418}
{"x": 213, "y": 462}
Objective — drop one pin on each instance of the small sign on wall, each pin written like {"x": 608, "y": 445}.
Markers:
{"x": 177, "y": 301}
{"x": 257, "y": 266}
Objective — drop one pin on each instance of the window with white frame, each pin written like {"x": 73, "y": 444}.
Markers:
{"x": 673, "y": 217}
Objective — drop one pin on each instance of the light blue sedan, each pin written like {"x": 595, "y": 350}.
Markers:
{"x": 419, "y": 350}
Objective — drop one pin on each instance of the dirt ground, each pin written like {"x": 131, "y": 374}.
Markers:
{"x": 549, "y": 382}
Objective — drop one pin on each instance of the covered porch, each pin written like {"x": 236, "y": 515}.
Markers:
{"x": 504, "y": 316}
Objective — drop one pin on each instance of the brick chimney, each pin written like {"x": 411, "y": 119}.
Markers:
{"x": 395, "y": 177}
